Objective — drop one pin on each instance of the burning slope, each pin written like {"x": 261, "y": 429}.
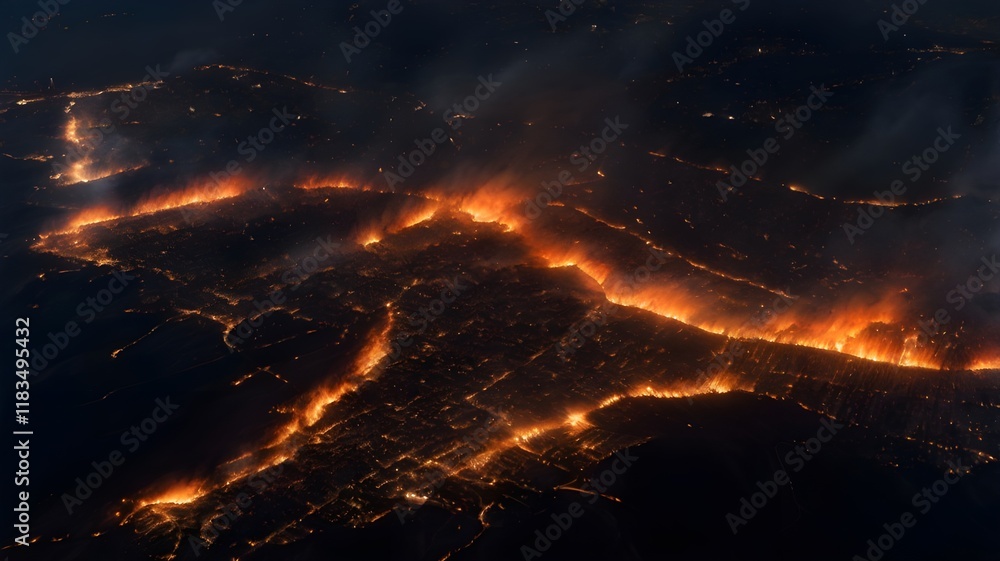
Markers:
{"x": 201, "y": 193}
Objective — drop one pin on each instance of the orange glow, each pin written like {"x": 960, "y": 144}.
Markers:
{"x": 496, "y": 200}
{"x": 314, "y": 410}
{"x": 205, "y": 192}
{"x": 181, "y": 493}
{"x": 986, "y": 363}
{"x": 84, "y": 172}
{"x": 802, "y": 190}
{"x": 860, "y": 328}
{"x": 311, "y": 410}
{"x": 370, "y": 239}
{"x": 420, "y": 215}
{"x": 877, "y": 328}
{"x": 395, "y": 220}
{"x": 577, "y": 420}
{"x": 873, "y": 202}
{"x": 85, "y": 168}
{"x": 288, "y": 440}
{"x": 525, "y": 435}
{"x": 485, "y": 208}
{"x": 92, "y": 216}
{"x": 72, "y": 133}
{"x": 335, "y": 181}
{"x": 721, "y": 383}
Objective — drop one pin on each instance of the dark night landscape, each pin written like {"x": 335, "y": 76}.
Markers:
{"x": 426, "y": 280}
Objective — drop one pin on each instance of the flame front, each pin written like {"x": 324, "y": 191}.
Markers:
{"x": 81, "y": 165}
{"x": 877, "y": 328}
{"x": 205, "y": 192}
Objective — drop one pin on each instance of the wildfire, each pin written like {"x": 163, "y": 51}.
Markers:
{"x": 205, "y": 192}
{"x": 875, "y": 329}
{"x": 72, "y": 133}
{"x": 577, "y": 420}
{"x": 306, "y": 415}
{"x": 84, "y": 171}
{"x": 335, "y": 181}
{"x": 181, "y": 493}
{"x": 721, "y": 383}
{"x": 413, "y": 212}
{"x": 92, "y": 216}
{"x": 86, "y": 168}
{"x": 365, "y": 368}
{"x": 314, "y": 410}
{"x": 862, "y": 329}
{"x": 495, "y": 200}
{"x": 986, "y": 363}
{"x": 873, "y": 202}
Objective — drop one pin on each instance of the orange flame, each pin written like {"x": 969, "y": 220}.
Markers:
{"x": 332, "y": 181}
{"x": 207, "y": 191}
{"x": 86, "y": 169}
{"x": 181, "y": 493}
{"x": 311, "y": 410}
{"x": 863, "y": 329}
{"x": 203, "y": 192}
{"x": 392, "y": 221}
